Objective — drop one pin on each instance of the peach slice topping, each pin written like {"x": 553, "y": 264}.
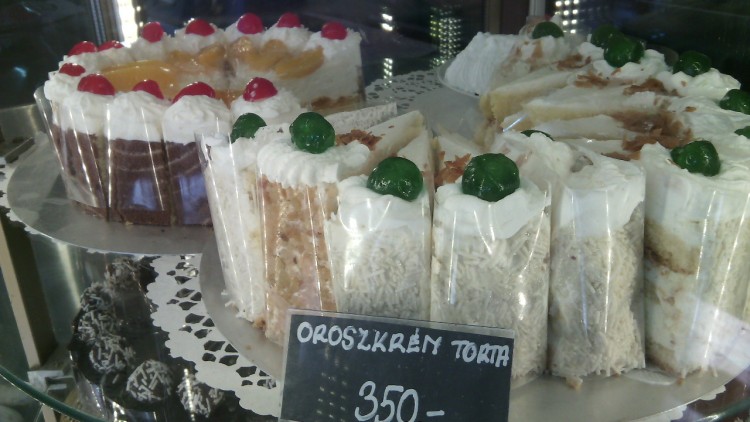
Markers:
{"x": 126, "y": 76}
{"x": 301, "y": 65}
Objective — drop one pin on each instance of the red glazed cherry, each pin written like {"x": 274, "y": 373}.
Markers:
{"x": 110, "y": 44}
{"x": 152, "y": 32}
{"x": 250, "y": 24}
{"x": 288, "y": 20}
{"x": 333, "y": 31}
{"x": 259, "y": 89}
{"x": 72, "y": 69}
{"x": 195, "y": 88}
{"x": 96, "y": 84}
{"x": 199, "y": 27}
{"x": 150, "y": 86}
{"x": 83, "y": 47}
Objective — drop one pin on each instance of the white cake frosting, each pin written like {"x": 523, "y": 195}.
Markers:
{"x": 194, "y": 43}
{"x": 711, "y": 84}
{"x": 136, "y": 115}
{"x": 364, "y": 208}
{"x": 89, "y": 61}
{"x": 705, "y": 118}
{"x": 295, "y": 39}
{"x": 115, "y": 57}
{"x": 333, "y": 48}
{"x": 143, "y": 49}
{"x": 280, "y": 108}
{"x": 232, "y": 34}
{"x": 493, "y": 220}
{"x": 84, "y": 112}
{"x": 309, "y": 169}
{"x": 473, "y": 67}
{"x": 607, "y": 188}
{"x": 61, "y": 85}
{"x": 649, "y": 65}
{"x": 193, "y": 114}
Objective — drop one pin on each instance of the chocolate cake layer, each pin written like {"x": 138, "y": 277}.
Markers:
{"x": 82, "y": 157}
{"x": 188, "y": 190}
{"x": 139, "y": 183}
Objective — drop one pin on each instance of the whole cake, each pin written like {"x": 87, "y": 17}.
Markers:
{"x": 132, "y": 157}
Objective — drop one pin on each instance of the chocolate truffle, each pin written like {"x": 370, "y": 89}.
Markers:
{"x": 150, "y": 383}
{"x": 198, "y": 398}
{"x": 110, "y": 354}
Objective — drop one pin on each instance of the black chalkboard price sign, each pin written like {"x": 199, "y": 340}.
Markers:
{"x": 341, "y": 367}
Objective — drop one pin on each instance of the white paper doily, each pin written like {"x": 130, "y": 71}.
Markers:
{"x": 179, "y": 311}
{"x": 403, "y": 89}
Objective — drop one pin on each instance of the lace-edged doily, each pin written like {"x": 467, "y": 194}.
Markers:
{"x": 192, "y": 336}
{"x": 403, "y": 89}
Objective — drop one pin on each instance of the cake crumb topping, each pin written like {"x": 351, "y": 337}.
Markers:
{"x": 452, "y": 170}
{"x": 365, "y": 138}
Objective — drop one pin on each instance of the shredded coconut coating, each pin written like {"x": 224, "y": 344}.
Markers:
{"x": 695, "y": 294}
{"x": 151, "y": 382}
{"x": 596, "y": 320}
{"x": 382, "y": 273}
{"x": 198, "y": 398}
{"x": 496, "y": 283}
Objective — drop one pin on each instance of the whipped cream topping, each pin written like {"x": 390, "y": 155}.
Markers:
{"x": 282, "y": 162}
{"x": 590, "y": 52}
{"x": 283, "y": 107}
{"x": 362, "y": 210}
{"x": 84, "y": 112}
{"x": 232, "y": 34}
{"x": 471, "y": 216}
{"x": 472, "y": 69}
{"x": 677, "y": 198}
{"x": 601, "y": 196}
{"x": 539, "y": 158}
{"x": 195, "y": 114}
{"x": 143, "y": 49}
{"x": 712, "y": 84}
{"x": 705, "y": 118}
{"x": 60, "y": 85}
{"x": 335, "y": 48}
{"x": 295, "y": 39}
{"x": 650, "y": 64}
{"x": 137, "y": 116}
{"x": 194, "y": 43}
{"x": 114, "y": 57}
{"x": 90, "y": 61}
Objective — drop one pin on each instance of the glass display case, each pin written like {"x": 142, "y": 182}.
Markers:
{"x": 164, "y": 286}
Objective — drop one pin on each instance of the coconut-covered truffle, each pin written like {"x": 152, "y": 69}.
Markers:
{"x": 110, "y": 354}
{"x": 96, "y": 297}
{"x": 198, "y": 398}
{"x": 123, "y": 274}
{"x": 94, "y": 324}
{"x": 150, "y": 383}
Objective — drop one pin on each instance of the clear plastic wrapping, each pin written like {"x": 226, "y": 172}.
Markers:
{"x": 697, "y": 241}
{"x": 380, "y": 250}
{"x": 490, "y": 267}
{"x": 137, "y": 168}
{"x": 229, "y": 171}
{"x": 82, "y": 151}
{"x": 596, "y": 311}
{"x": 297, "y": 268}
{"x": 186, "y": 184}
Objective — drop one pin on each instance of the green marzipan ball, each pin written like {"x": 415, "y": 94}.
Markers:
{"x": 490, "y": 177}
{"x": 602, "y": 34}
{"x": 745, "y": 131}
{"x": 621, "y": 49}
{"x": 736, "y": 100}
{"x": 697, "y": 157}
{"x": 529, "y": 132}
{"x": 312, "y": 133}
{"x": 398, "y": 177}
{"x": 546, "y": 28}
{"x": 246, "y": 126}
{"x": 692, "y": 63}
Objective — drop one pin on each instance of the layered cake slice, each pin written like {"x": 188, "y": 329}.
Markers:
{"x": 379, "y": 242}
{"x": 297, "y": 187}
{"x": 696, "y": 254}
{"x": 82, "y": 143}
{"x": 138, "y": 174}
{"x": 490, "y": 256}
{"x": 196, "y": 110}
